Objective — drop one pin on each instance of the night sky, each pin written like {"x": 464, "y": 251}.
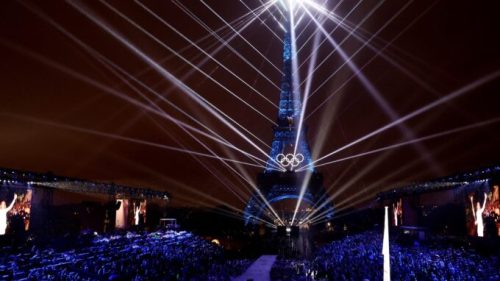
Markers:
{"x": 49, "y": 83}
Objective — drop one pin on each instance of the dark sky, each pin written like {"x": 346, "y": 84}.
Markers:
{"x": 45, "y": 80}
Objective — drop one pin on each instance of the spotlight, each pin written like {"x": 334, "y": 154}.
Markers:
{"x": 291, "y": 4}
{"x": 294, "y": 3}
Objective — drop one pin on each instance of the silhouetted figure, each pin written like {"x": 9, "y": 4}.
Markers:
{"x": 3, "y": 214}
{"x": 397, "y": 210}
{"x": 478, "y": 215}
{"x": 137, "y": 210}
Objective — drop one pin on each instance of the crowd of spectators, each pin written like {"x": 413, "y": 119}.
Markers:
{"x": 180, "y": 255}
{"x": 358, "y": 257}
{"x": 162, "y": 255}
{"x": 291, "y": 269}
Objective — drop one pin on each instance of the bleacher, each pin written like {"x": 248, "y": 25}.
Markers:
{"x": 155, "y": 256}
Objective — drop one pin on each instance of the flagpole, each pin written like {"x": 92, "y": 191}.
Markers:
{"x": 385, "y": 248}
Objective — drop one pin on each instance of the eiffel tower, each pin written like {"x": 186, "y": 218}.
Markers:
{"x": 280, "y": 180}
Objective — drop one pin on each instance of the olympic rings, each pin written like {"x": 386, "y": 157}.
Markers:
{"x": 290, "y": 160}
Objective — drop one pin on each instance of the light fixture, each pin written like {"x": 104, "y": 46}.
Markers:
{"x": 294, "y": 3}
{"x": 290, "y": 4}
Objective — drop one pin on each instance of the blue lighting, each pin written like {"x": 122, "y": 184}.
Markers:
{"x": 288, "y": 114}
{"x": 287, "y": 50}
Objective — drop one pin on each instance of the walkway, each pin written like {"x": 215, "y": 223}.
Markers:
{"x": 260, "y": 270}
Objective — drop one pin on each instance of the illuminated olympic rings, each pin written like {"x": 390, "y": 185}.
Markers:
{"x": 290, "y": 160}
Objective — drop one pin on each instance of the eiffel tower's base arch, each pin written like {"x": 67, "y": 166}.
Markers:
{"x": 279, "y": 186}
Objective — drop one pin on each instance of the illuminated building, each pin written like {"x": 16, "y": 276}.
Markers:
{"x": 289, "y": 166}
